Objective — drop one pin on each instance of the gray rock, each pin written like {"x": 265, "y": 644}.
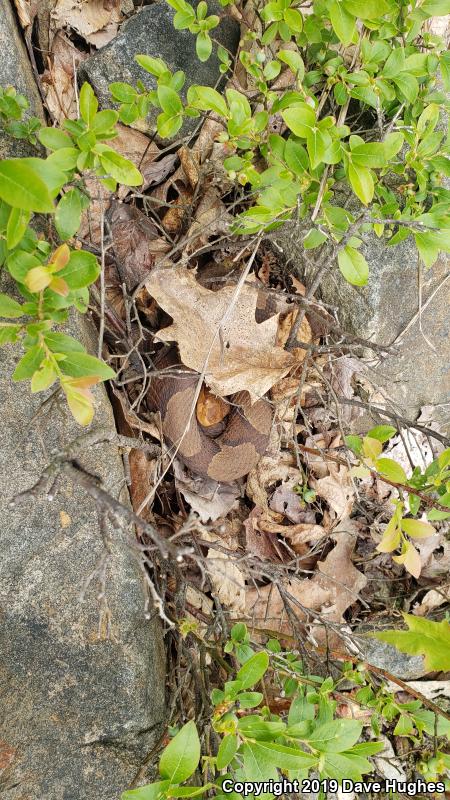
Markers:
{"x": 16, "y": 71}
{"x": 79, "y": 711}
{"x": 151, "y": 32}
{"x": 419, "y": 374}
{"x": 385, "y": 656}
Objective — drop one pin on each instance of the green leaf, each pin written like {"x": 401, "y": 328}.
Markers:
{"x": 81, "y": 365}
{"x": 253, "y": 670}
{"x": 408, "y": 86}
{"x": 189, "y": 791}
{"x": 345, "y": 765}
{"x": 361, "y": 182}
{"x": 9, "y": 308}
{"x": 8, "y": 332}
{"x": 203, "y": 46}
{"x": 88, "y": 103}
{"x": 207, "y": 99}
{"x": 104, "y": 121}
{"x": 314, "y": 238}
{"x": 390, "y": 469}
{"x": 343, "y": 22}
{"x": 81, "y": 270}
{"x": 254, "y": 727}
{"x": 22, "y": 187}
{"x": 61, "y": 343}
{"x": 53, "y": 177}
{"x": 122, "y": 92}
{"x": 227, "y": 751}
{"x": 300, "y": 119}
{"x": 296, "y": 157}
{"x": 435, "y": 8}
{"x": 120, "y": 168}
{"x": 169, "y": 100}
{"x": 17, "y": 224}
{"x": 335, "y": 736}
{"x": 382, "y": 432}
{"x": 153, "y": 791}
{"x": 294, "y": 62}
{"x": 285, "y": 758}
{"x": 29, "y": 363}
{"x": 393, "y": 144}
{"x": 317, "y": 142}
{"x": 256, "y": 766}
{"x": 395, "y": 63}
{"x": 20, "y": 263}
{"x": 181, "y": 756}
{"x": 417, "y": 529}
{"x": 64, "y": 159}
{"x": 424, "y": 637}
{"x": 156, "y": 66}
{"x": 68, "y": 214}
{"x": 250, "y": 699}
{"x": 294, "y": 19}
{"x": 54, "y": 139}
{"x": 367, "y": 9}
{"x": 353, "y": 266}
{"x": 372, "y": 154}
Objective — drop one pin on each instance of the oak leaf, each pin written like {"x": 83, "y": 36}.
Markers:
{"x": 217, "y": 334}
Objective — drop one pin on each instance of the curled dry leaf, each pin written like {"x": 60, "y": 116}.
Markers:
{"x": 337, "y": 490}
{"x": 287, "y": 502}
{"x": 432, "y": 599}
{"x": 207, "y": 498}
{"x": 142, "y": 471}
{"x": 26, "y": 11}
{"x": 268, "y": 471}
{"x": 259, "y": 542}
{"x": 59, "y": 80}
{"x": 227, "y": 581}
{"x": 244, "y": 357}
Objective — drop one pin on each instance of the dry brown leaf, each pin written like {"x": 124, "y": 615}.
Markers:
{"x": 337, "y": 490}
{"x": 227, "y": 581}
{"x": 58, "y": 80}
{"x": 432, "y": 599}
{"x": 287, "y": 502}
{"x": 211, "y": 218}
{"x": 142, "y": 470}
{"x": 207, "y": 498}
{"x": 95, "y": 20}
{"x": 190, "y": 161}
{"x": 26, "y": 11}
{"x": 175, "y": 217}
{"x": 139, "y": 149}
{"x": 260, "y": 543}
{"x": 244, "y": 357}
{"x": 265, "y": 607}
{"x": 268, "y": 471}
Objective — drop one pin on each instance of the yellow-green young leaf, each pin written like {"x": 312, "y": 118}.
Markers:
{"x": 120, "y": 168}
{"x": 391, "y": 470}
{"x": 410, "y": 559}
{"x": 43, "y": 377}
{"x": 294, "y": 19}
{"x": 294, "y": 62}
{"x": 391, "y": 537}
{"x": 80, "y": 404}
{"x": 22, "y": 187}
{"x": 353, "y": 266}
{"x": 417, "y": 529}
{"x": 9, "y": 308}
{"x": 344, "y": 23}
{"x": 361, "y": 182}
{"x": 169, "y": 100}
{"x": 37, "y": 279}
{"x": 203, "y": 46}
{"x": 17, "y": 224}
{"x": 424, "y": 638}
{"x": 371, "y": 448}
{"x": 181, "y": 756}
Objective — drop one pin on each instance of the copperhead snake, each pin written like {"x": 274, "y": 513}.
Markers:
{"x": 225, "y": 452}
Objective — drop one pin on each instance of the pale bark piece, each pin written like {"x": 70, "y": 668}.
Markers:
{"x": 216, "y": 332}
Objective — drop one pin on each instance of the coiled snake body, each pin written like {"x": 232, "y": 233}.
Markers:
{"x": 224, "y": 457}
